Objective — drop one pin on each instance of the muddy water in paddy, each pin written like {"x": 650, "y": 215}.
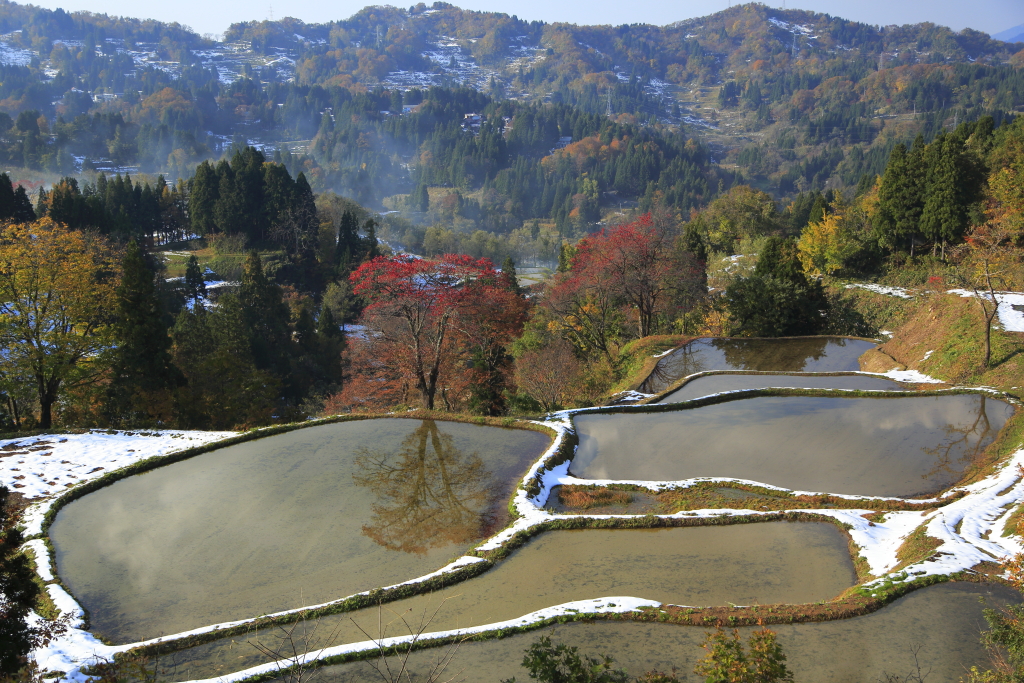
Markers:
{"x": 713, "y": 384}
{"x": 804, "y": 354}
{"x": 289, "y": 520}
{"x": 765, "y": 563}
{"x": 869, "y": 446}
{"x": 945, "y": 621}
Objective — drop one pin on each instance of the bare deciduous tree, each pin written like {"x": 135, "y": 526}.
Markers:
{"x": 549, "y": 374}
{"x": 392, "y": 664}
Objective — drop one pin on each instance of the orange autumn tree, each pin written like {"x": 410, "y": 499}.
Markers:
{"x": 423, "y": 320}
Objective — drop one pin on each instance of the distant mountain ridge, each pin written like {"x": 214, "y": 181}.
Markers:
{"x": 1011, "y": 35}
{"x": 791, "y": 100}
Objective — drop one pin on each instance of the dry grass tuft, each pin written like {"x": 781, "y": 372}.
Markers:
{"x": 917, "y": 547}
{"x": 584, "y": 498}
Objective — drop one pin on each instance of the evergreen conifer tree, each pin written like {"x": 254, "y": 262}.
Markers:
{"x": 266, "y": 316}
{"x": 954, "y": 184}
{"x": 247, "y": 201}
{"x": 202, "y": 197}
{"x": 19, "y": 593}
{"x": 6, "y": 197}
{"x": 195, "y": 285}
{"x": 330, "y": 344}
{"x": 305, "y": 206}
{"x": 349, "y": 247}
{"x": 225, "y": 388}
{"x": 419, "y": 200}
{"x": 142, "y": 370}
{"x": 278, "y": 191}
{"x": 487, "y": 392}
{"x": 229, "y": 209}
{"x": 901, "y": 198}
{"x": 509, "y": 275}
{"x": 23, "y": 211}
{"x": 777, "y": 300}
{"x": 564, "y": 258}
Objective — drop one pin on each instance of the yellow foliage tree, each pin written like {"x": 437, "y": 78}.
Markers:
{"x": 826, "y": 245}
{"x": 57, "y": 292}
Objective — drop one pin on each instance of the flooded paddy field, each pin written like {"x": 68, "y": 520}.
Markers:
{"x": 945, "y": 621}
{"x": 773, "y": 562}
{"x": 289, "y": 520}
{"x": 317, "y": 514}
{"x": 803, "y": 354}
{"x": 713, "y": 384}
{"x": 869, "y": 446}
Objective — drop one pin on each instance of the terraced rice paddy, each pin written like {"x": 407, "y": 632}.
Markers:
{"x": 290, "y": 520}
{"x": 870, "y": 446}
{"x": 443, "y": 524}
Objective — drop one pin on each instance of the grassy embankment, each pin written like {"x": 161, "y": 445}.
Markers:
{"x": 637, "y": 358}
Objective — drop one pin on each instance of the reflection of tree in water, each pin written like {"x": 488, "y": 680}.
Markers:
{"x": 962, "y": 445}
{"x": 429, "y": 493}
{"x": 768, "y": 355}
{"x": 686, "y": 360}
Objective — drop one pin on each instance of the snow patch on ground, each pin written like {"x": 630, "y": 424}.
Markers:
{"x": 882, "y": 289}
{"x": 66, "y": 604}
{"x": 41, "y": 556}
{"x": 980, "y": 516}
{"x": 1009, "y": 307}
{"x": 46, "y": 466}
{"x": 911, "y": 376}
{"x": 792, "y": 28}
{"x": 630, "y": 396}
{"x": 71, "y": 652}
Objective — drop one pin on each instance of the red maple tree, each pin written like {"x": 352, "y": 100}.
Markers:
{"x": 423, "y": 319}
{"x": 629, "y": 274}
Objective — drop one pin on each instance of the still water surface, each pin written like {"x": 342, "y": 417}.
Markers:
{"x": 803, "y": 354}
{"x": 945, "y": 621}
{"x": 773, "y": 562}
{"x": 868, "y": 446}
{"x": 289, "y": 520}
{"x": 713, "y": 384}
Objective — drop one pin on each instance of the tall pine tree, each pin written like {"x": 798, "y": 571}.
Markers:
{"x": 509, "y": 275}
{"x": 901, "y": 198}
{"x": 204, "y": 190}
{"x": 954, "y": 184}
{"x": 266, "y": 317}
{"x": 142, "y": 372}
{"x": 195, "y": 285}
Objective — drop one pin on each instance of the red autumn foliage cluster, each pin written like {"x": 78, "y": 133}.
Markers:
{"x": 423, "y": 320}
{"x": 629, "y": 276}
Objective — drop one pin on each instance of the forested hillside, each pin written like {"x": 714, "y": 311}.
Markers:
{"x": 392, "y": 102}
